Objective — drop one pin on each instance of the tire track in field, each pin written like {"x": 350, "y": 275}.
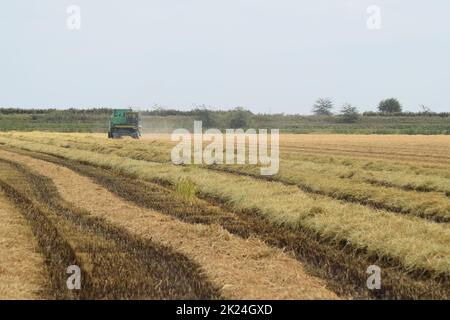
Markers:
{"x": 22, "y": 274}
{"x": 342, "y": 266}
{"x": 57, "y": 252}
{"x": 345, "y": 197}
{"x": 244, "y": 269}
{"x": 368, "y": 198}
{"x": 438, "y": 214}
{"x": 114, "y": 264}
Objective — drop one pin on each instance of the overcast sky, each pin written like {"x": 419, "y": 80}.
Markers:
{"x": 268, "y": 56}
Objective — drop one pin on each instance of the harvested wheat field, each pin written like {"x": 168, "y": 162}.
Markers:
{"x": 141, "y": 227}
{"x": 21, "y": 266}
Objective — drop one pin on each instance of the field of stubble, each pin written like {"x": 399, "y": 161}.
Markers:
{"x": 140, "y": 227}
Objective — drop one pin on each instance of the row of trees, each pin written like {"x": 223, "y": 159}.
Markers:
{"x": 350, "y": 113}
{"x": 70, "y": 111}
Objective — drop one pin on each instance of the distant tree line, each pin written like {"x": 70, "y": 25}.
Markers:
{"x": 387, "y": 107}
{"x": 239, "y": 117}
{"x": 89, "y": 111}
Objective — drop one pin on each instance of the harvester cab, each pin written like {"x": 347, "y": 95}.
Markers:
{"x": 124, "y": 122}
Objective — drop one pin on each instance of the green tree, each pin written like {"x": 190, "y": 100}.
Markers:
{"x": 323, "y": 107}
{"x": 206, "y": 116}
{"x": 239, "y": 118}
{"x": 349, "y": 113}
{"x": 391, "y": 105}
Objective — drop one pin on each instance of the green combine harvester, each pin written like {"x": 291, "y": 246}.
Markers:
{"x": 124, "y": 122}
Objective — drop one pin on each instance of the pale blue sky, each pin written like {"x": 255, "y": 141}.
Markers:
{"x": 276, "y": 56}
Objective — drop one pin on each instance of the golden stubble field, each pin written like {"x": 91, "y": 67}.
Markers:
{"x": 141, "y": 227}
